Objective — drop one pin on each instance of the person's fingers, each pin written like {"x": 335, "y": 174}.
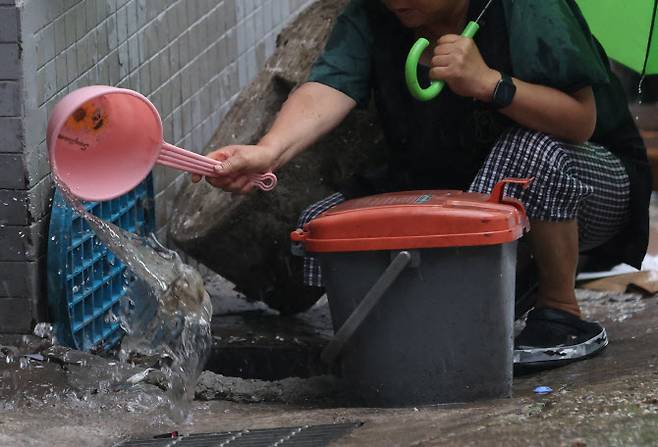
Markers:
{"x": 444, "y": 49}
{"x": 238, "y": 184}
{"x": 448, "y": 38}
{"x": 439, "y": 73}
{"x": 220, "y": 182}
{"x": 223, "y": 153}
{"x": 441, "y": 61}
{"x": 232, "y": 166}
{"x": 241, "y": 184}
{"x": 231, "y": 160}
{"x": 465, "y": 43}
{"x": 235, "y": 163}
{"x": 247, "y": 188}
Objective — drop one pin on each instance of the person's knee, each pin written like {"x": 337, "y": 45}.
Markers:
{"x": 529, "y": 153}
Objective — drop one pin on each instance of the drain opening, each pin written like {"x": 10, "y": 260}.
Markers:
{"x": 267, "y": 347}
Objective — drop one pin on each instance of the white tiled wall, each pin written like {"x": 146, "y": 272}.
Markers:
{"x": 189, "y": 57}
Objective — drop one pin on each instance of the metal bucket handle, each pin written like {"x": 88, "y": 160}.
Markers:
{"x": 369, "y": 301}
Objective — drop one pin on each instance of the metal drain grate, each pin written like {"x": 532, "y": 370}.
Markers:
{"x": 304, "y": 436}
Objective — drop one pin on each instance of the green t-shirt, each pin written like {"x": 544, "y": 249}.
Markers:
{"x": 549, "y": 44}
{"x": 544, "y": 42}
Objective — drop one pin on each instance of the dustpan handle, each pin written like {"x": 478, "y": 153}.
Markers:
{"x": 179, "y": 158}
{"x": 349, "y": 327}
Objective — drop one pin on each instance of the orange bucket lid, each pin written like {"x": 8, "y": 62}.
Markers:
{"x": 417, "y": 219}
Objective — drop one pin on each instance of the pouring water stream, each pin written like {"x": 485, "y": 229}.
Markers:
{"x": 168, "y": 312}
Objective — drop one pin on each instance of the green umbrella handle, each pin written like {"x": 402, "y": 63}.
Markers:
{"x": 411, "y": 67}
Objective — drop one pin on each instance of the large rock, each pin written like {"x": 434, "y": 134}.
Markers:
{"x": 245, "y": 238}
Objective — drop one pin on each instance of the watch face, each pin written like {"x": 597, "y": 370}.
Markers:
{"x": 508, "y": 91}
{"x": 504, "y": 93}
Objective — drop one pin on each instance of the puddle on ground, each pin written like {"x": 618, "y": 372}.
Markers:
{"x": 166, "y": 316}
{"x": 609, "y": 306}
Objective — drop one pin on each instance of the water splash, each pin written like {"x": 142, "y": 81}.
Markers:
{"x": 166, "y": 313}
{"x": 45, "y": 331}
{"x": 639, "y": 95}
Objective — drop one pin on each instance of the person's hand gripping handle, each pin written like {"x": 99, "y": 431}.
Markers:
{"x": 411, "y": 67}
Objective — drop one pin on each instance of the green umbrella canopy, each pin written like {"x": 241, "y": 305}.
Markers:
{"x": 625, "y": 28}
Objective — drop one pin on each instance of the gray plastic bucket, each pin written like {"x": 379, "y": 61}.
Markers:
{"x": 437, "y": 327}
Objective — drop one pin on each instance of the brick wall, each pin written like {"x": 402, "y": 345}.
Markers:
{"x": 189, "y": 57}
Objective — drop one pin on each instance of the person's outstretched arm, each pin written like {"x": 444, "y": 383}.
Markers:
{"x": 310, "y": 112}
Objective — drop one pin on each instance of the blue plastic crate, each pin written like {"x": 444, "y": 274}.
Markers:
{"x": 85, "y": 280}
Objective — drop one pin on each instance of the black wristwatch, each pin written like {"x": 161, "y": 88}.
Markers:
{"x": 503, "y": 94}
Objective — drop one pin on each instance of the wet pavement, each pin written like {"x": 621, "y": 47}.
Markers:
{"x": 82, "y": 399}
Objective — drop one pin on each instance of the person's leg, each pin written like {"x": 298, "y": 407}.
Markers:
{"x": 312, "y": 276}
{"x": 551, "y": 200}
{"x": 555, "y": 247}
{"x": 578, "y": 200}
{"x": 306, "y": 283}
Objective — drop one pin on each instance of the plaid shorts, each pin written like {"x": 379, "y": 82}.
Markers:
{"x": 584, "y": 182}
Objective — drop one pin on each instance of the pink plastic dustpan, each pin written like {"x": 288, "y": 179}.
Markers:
{"x": 103, "y": 141}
